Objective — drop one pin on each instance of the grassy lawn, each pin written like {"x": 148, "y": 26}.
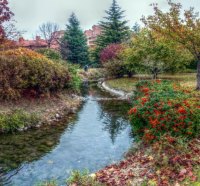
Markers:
{"x": 127, "y": 84}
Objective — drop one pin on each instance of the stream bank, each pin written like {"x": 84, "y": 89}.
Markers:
{"x": 45, "y": 111}
{"x": 96, "y": 136}
{"x": 119, "y": 93}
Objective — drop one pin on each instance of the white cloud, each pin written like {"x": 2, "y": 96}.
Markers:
{"x": 29, "y": 14}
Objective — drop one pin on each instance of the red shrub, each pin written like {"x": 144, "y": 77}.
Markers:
{"x": 164, "y": 107}
{"x": 110, "y": 52}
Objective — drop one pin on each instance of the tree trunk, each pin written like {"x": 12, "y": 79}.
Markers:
{"x": 198, "y": 75}
{"x": 155, "y": 75}
{"x": 155, "y": 72}
{"x": 130, "y": 74}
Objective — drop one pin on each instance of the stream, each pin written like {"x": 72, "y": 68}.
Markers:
{"x": 98, "y": 135}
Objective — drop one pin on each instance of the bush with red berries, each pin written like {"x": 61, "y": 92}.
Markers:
{"x": 161, "y": 107}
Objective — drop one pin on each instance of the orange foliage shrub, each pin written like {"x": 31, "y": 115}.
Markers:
{"x": 23, "y": 70}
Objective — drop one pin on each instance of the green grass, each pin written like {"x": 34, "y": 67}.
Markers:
{"x": 127, "y": 84}
{"x": 93, "y": 74}
{"x": 17, "y": 119}
{"x": 82, "y": 179}
{"x": 47, "y": 183}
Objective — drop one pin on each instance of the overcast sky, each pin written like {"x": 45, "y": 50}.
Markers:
{"x": 29, "y": 14}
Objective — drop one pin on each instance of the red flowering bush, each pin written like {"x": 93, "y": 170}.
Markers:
{"x": 23, "y": 71}
{"x": 161, "y": 107}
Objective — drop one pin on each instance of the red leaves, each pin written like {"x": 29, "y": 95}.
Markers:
{"x": 182, "y": 110}
{"x": 157, "y": 112}
{"x": 154, "y": 122}
{"x": 133, "y": 111}
{"x": 5, "y": 15}
{"x": 148, "y": 137}
{"x": 144, "y": 100}
{"x": 145, "y": 90}
{"x": 161, "y": 163}
{"x": 164, "y": 107}
{"x": 182, "y": 174}
{"x": 170, "y": 139}
{"x": 110, "y": 52}
{"x": 186, "y": 174}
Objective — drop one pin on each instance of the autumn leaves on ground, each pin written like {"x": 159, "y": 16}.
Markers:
{"x": 161, "y": 163}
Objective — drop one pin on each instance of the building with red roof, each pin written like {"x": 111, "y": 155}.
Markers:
{"x": 38, "y": 42}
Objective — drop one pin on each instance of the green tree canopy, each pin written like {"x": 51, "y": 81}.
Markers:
{"x": 74, "y": 44}
{"x": 181, "y": 27}
{"x": 152, "y": 53}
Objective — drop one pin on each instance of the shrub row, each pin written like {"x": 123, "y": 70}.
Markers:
{"x": 23, "y": 70}
{"x": 161, "y": 107}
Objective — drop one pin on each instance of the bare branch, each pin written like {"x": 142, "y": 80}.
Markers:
{"x": 48, "y": 31}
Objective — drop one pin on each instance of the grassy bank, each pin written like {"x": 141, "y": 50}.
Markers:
{"x": 127, "y": 84}
{"x": 35, "y": 89}
{"x": 26, "y": 113}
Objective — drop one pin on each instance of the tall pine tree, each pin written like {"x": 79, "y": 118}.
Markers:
{"x": 74, "y": 43}
{"x": 114, "y": 28}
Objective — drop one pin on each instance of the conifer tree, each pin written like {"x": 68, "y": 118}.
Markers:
{"x": 74, "y": 44}
{"x": 114, "y": 28}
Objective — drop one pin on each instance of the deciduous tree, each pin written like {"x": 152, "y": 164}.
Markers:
{"x": 49, "y": 32}
{"x": 111, "y": 52}
{"x": 182, "y": 29}
{"x": 5, "y": 16}
{"x": 152, "y": 53}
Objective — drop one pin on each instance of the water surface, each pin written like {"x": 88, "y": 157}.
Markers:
{"x": 98, "y": 135}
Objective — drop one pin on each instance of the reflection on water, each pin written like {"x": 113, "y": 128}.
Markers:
{"x": 17, "y": 150}
{"x": 99, "y": 135}
{"x": 114, "y": 117}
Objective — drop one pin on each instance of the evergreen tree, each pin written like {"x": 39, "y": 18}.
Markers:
{"x": 74, "y": 43}
{"x": 114, "y": 28}
{"x": 136, "y": 28}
